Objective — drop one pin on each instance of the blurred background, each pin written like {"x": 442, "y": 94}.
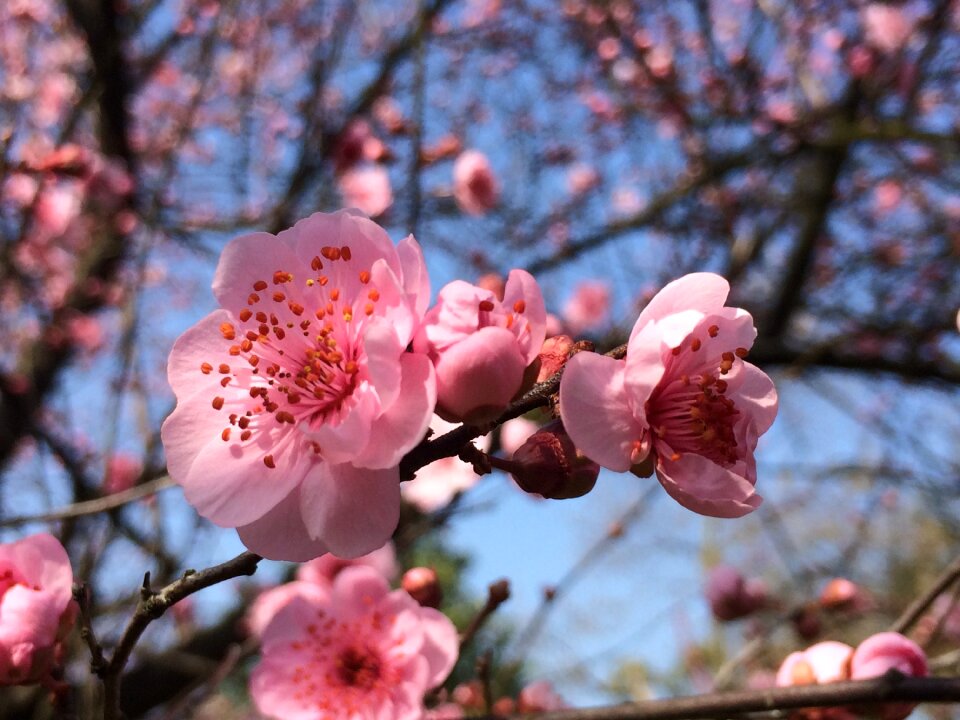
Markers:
{"x": 807, "y": 151}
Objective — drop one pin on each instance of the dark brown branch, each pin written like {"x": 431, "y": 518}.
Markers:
{"x": 152, "y": 605}
{"x": 919, "y": 606}
{"x": 497, "y": 594}
{"x": 892, "y": 687}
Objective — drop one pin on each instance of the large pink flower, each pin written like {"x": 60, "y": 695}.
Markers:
{"x": 481, "y": 345}
{"x": 359, "y": 652}
{"x": 297, "y": 399}
{"x": 682, "y": 399}
{"x": 36, "y": 607}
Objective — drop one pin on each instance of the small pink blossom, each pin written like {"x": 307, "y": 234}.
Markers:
{"x": 582, "y": 178}
{"x": 540, "y": 696}
{"x": 121, "y": 473}
{"x": 475, "y": 187}
{"x": 297, "y": 400}
{"x": 36, "y": 607}
{"x": 842, "y": 594}
{"x": 439, "y": 482}
{"x": 731, "y": 596}
{"x": 481, "y": 346}
{"x": 886, "y": 27}
{"x": 886, "y": 196}
{"x": 588, "y": 308}
{"x": 683, "y": 401}
{"x": 825, "y": 662}
{"x": 358, "y": 650}
{"x": 368, "y": 189}
{"x": 318, "y": 573}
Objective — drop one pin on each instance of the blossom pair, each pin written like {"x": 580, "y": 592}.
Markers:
{"x": 298, "y": 398}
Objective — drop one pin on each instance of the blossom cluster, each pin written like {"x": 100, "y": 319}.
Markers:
{"x": 324, "y": 367}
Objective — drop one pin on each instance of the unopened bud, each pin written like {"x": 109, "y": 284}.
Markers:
{"x": 423, "y": 585}
{"x": 499, "y": 591}
{"x": 469, "y": 695}
{"x": 806, "y": 622}
{"x": 841, "y": 594}
{"x": 549, "y": 464}
{"x": 504, "y": 707}
{"x": 553, "y": 354}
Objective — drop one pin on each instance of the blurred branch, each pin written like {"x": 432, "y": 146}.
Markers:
{"x": 892, "y": 687}
{"x": 919, "y": 606}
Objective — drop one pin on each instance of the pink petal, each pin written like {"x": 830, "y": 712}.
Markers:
{"x": 706, "y": 488}
{"x": 42, "y": 561}
{"x": 249, "y": 488}
{"x": 383, "y": 352}
{"x": 352, "y": 510}
{"x": 756, "y": 396}
{"x": 394, "y": 305}
{"x": 595, "y": 410}
{"x": 441, "y": 644}
{"x": 246, "y": 260}
{"x": 344, "y": 435}
{"x": 416, "y": 281}
{"x": 356, "y": 590}
{"x": 643, "y": 369}
{"x": 885, "y": 651}
{"x": 281, "y": 533}
{"x": 480, "y": 374}
{"x": 200, "y": 343}
{"x": 522, "y": 287}
{"x": 368, "y": 242}
{"x": 705, "y": 292}
{"x": 405, "y": 422}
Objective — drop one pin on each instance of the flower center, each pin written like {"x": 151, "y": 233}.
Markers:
{"x": 693, "y": 414}
{"x": 298, "y": 346}
{"x": 359, "y": 668}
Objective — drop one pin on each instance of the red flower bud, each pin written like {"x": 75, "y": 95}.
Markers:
{"x": 553, "y": 354}
{"x": 423, "y": 585}
{"x": 549, "y": 464}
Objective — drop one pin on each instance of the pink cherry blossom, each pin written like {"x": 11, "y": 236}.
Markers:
{"x": 297, "y": 399}
{"x": 36, "y": 607}
{"x": 888, "y": 651}
{"x": 475, "y": 187}
{"x": 436, "y": 484}
{"x": 121, "y": 473}
{"x": 588, "y": 308}
{"x": 318, "y": 573}
{"x": 357, "y": 651}
{"x": 731, "y": 596}
{"x": 514, "y": 433}
{"x": 886, "y": 27}
{"x": 368, "y": 189}
{"x": 682, "y": 401}
{"x": 481, "y": 346}
{"x": 540, "y": 696}
{"x": 825, "y": 662}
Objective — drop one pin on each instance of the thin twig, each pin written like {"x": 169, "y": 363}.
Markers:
{"x": 152, "y": 605}
{"x": 497, "y": 594}
{"x": 919, "y": 606}
{"x": 92, "y": 507}
{"x": 892, "y": 687}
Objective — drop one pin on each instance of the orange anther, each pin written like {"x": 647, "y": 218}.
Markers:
{"x": 519, "y": 306}
{"x": 217, "y": 402}
{"x": 260, "y": 285}
{"x": 245, "y": 314}
{"x": 228, "y": 331}
{"x": 364, "y": 276}
{"x": 206, "y": 368}
{"x": 486, "y": 305}
{"x": 268, "y": 461}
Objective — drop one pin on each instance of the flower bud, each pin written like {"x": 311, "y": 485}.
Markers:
{"x": 549, "y": 464}
{"x": 883, "y": 652}
{"x": 731, "y": 596}
{"x": 841, "y": 594}
{"x": 504, "y": 707}
{"x": 553, "y": 354}
{"x": 423, "y": 585}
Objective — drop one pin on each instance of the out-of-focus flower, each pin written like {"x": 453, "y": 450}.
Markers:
{"x": 842, "y": 594}
{"x": 423, "y": 585}
{"x": 368, "y": 189}
{"x": 121, "y": 473}
{"x": 297, "y": 399}
{"x": 437, "y": 483}
{"x": 539, "y": 696}
{"x": 886, "y": 27}
{"x": 683, "y": 399}
{"x": 514, "y": 433}
{"x": 358, "y": 650}
{"x": 549, "y": 465}
{"x": 36, "y": 607}
{"x": 825, "y": 662}
{"x": 731, "y": 596}
{"x": 475, "y": 187}
{"x": 481, "y": 346}
{"x": 588, "y": 308}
